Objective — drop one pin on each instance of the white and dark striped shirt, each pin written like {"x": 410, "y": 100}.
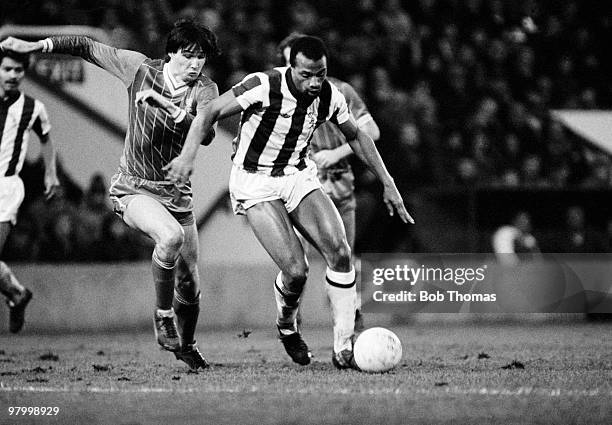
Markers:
{"x": 329, "y": 136}
{"x": 277, "y": 122}
{"x": 19, "y": 116}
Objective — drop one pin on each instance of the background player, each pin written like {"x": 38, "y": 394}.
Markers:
{"x": 330, "y": 151}
{"x": 275, "y": 184}
{"x": 175, "y": 90}
{"x": 19, "y": 116}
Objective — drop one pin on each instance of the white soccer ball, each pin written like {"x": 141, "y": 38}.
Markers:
{"x": 377, "y": 350}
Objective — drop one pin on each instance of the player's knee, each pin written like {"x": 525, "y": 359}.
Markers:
{"x": 296, "y": 275}
{"x": 171, "y": 239}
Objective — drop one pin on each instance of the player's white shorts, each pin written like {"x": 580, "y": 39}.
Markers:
{"x": 12, "y": 193}
{"x": 248, "y": 188}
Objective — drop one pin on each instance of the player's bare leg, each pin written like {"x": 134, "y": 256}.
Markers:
{"x": 17, "y": 296}
{"x": 319, "y": 221}
{"x": 346, "y": 208}
{"x": 187, "y": 300}
{"x": 149, "y": 216}
{"x": 274, "y": 230}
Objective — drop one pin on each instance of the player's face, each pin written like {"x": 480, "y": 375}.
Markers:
{"x": 308, "y": 75}
{"x": 186, "y": 64}
{"x": 11, "y": 75}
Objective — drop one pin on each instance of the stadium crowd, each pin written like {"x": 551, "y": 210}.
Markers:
{"x": 462, "y": 89}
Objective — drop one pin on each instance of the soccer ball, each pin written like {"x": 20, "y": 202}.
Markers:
{"x": 377, "y": 350}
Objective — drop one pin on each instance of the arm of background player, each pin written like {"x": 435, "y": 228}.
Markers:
{"x": 49, "y": 154}
{"x": 365, "y": 149}
{"x": 181, "y": 167}
{"x": 42, "y": 129}
{"x": 327, "y": 157}
{"x": 123, "y": 64}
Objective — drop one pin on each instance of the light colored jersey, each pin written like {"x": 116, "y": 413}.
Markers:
{"x": 277, "y": 122}
{"x": 19, "y": 116}
{"x": 153, "y": 137}
{"x": 329, "y": 136}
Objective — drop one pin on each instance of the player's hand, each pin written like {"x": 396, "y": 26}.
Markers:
{"x": 325, "y": 158}
{"x": 179, "y": 170}
{"x": 51, "y": 185}
{"x": 394, "y": 202}
{"x": 20, "y": 46}
{"x": 153, "y": 98}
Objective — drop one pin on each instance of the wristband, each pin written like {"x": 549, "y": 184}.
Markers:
{"x": 47, "y": 45}
{"x": 178, "y": 115}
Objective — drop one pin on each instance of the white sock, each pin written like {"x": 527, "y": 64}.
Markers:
{"x": 165, "y": 313}
{"x": 342, "y": 294}
{"x": 9, "y": 285}
{"x": 285, "y": 313}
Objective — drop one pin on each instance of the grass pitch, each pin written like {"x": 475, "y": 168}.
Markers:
{"x": 549, "y": 373}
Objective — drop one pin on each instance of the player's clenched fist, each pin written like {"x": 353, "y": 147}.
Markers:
{"x": 20, "y": 46}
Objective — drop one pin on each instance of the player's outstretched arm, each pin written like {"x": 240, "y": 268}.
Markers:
{"x": 21, "y": 46}
{"x": 365, "y": 149}
{"x": 121, "y": 63}
{"x": 180, "y": 168}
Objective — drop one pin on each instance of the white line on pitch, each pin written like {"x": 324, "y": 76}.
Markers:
{"x": 475, "y": 391}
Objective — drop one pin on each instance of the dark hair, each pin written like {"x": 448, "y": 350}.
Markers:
{"x": 23, "y": 58}
{"x": 187, "y": 32}
{"x": 311, "y": 47}
{"x": 288, "y": 42}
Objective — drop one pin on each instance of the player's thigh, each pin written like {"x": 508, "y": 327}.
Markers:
{"x": 274, "y": 230}
{"x": 151, "y": 217}
{"x": 318, "y": 220}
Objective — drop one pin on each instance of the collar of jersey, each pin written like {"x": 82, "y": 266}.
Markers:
{"x": 10, "y": 99}
{"x": 175, "y": 87}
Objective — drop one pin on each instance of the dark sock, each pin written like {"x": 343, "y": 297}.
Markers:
{"x": 163, "y": 276}
{"x": 186, "y": 319}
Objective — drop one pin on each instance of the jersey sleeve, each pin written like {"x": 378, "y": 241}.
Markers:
{"x": 356, "y": 105}
{"x": 121, "y": 63}
{"x": 340, "y": 108}
{"x": 42, "y": 125}
{"x": 252, "y": 90}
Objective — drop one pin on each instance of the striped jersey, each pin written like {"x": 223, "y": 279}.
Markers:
{"x": 153, "y": 137}
{"x": 329, "y": 136}
{"x": 277, "y": 122}
{"x": 19, "y": 116}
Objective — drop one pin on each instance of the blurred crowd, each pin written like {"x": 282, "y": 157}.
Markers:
{"x": 74, "y": 226}
{"x": 461, "y": 89}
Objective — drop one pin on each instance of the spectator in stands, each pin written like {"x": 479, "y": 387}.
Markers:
{"x": 92, "y": 211}
{"x": 511, "y": 240}
{"x": 578, "y": 236}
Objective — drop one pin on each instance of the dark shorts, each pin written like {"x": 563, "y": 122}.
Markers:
{"x": 177, "y": 200}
